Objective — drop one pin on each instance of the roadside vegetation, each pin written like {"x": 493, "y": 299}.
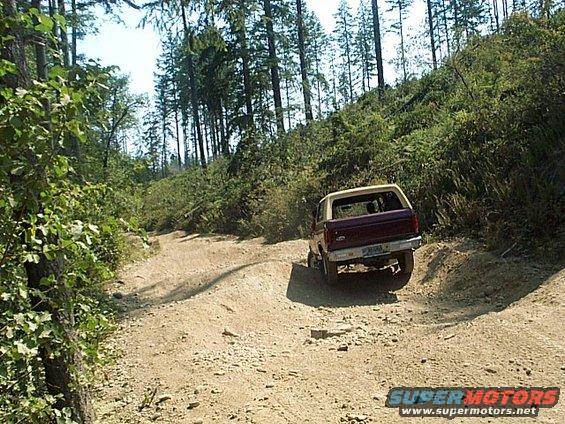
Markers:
{"x": 65, "y": 207}
{"x": 476, "y": 144}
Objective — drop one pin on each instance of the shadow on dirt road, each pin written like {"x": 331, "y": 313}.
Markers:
{"x": 306, "y": 286}
{"x": 177, "y": 292}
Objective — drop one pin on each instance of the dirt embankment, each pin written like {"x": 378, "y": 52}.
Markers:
{"x": 219, "y": 330}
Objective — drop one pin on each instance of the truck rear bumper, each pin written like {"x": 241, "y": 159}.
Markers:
{"x": 374, "y": 250}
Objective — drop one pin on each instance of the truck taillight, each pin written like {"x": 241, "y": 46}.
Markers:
{"x": 415, "y": 224}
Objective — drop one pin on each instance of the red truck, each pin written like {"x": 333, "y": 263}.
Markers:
{"x": 375, "y": 226}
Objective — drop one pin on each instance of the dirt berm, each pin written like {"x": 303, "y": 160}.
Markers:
{"x": 217, "y": 330}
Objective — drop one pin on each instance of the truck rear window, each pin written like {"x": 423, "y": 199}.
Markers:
{"x": 366, "y": 204}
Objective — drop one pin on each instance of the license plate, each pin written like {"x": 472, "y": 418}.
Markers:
{"x": 375, "y": 250}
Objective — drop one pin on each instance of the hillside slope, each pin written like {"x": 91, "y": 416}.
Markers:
{"x": 477, "y": 144}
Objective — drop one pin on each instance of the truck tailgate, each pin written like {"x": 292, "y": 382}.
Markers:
{"x": 370, "y": 229}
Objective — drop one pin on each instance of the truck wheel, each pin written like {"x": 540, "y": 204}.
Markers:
{"x": 312, "y": 261}
{"x": 406, "y": 263}
{"x": 329, "y": 269}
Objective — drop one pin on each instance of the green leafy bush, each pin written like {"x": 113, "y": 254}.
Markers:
{"x": 57, "y": 247}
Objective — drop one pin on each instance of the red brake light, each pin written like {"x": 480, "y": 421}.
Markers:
{"x": 415, "y": 224}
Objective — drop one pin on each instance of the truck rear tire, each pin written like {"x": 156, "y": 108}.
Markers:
{"x": 406, "y": 263}
{"x": 329, "y": 270}
{"x": 312, "y": 260}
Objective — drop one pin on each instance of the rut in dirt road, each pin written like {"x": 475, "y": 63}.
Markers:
{"x": 215, "y": 329}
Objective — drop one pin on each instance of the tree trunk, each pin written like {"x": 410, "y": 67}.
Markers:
{"x": 274, "y": 65}
{"x": 364, "y": 64}
{"x": 348, "y": 57}
{"x": 224, "y": 139}
{"x": 288, "y": 117}
{"x": 73, "y": 146}
{"x": 59, "y": 379}
{"x": 318, "y": 82}
{"x": 213, "y": 131}
{"x": 495, "y": 14}
{"x": 378, "y": 47}
{"x": 193, "y": 93}
{"x": 440, "y": 55}
{"x": 206, "y": 135}
{"x": 216, "y": 128}
{"x": 334, "y": 91}
{"x": 39, "y": 46}
{"x": 247, "y": 82}
{"x": 63, "y": 35}
{"x": 446, "y": 27}
{"x": 219, "y": 147}
{"x": 195, "y": 143}
{"x": 456, "y": 23}
{"x": 185, "y": 137}
{"x": 303, "y": 66}
{"x": 176, "y": 112}
{"x": 366, "y": 54}
{"x": 164, "y": 160}
{"x": 14, "y": 50}
{"x": 74, "y": 24}
{"x": 244, "y": 53}
{"x": 112, "y": 133}
{"x": 432, "y": 36}
{"x": 195, "y": 111}
{"x": 362, "y": 45}
{"x": 402, "y": 54}
{"x": 177, "y": 135}
{"x": 52, "y": 11}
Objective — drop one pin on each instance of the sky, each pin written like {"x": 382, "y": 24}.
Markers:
{"x": 134, "y": 50}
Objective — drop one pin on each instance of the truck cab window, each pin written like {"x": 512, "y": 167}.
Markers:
{"x": 365, "y": 205}
{"x": 391, "y": 202}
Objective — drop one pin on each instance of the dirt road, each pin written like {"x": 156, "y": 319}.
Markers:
{"x": 219, "y": 330}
